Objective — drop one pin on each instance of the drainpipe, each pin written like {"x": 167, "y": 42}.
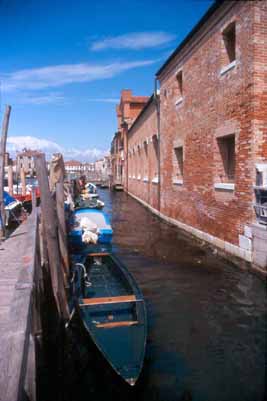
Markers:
{"x": 157, "y": 100}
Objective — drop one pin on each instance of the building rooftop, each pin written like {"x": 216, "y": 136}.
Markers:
{"x": 192, "y": 33}
{"x": 72, "y": 163}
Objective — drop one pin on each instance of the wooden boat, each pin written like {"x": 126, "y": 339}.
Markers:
{"x": 118, "y": 187}
{"x": 104, "y": 184}
{"x": 78, "y": 222}
{"x": 112, "y": 309}
{"x": 92, "y": 203}
{"x": 13, "y": 208}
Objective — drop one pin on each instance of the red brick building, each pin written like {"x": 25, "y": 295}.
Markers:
{"x": 127, "y": 111}
{"x": 195, "y": 162}
{"x": 143, "y": 155}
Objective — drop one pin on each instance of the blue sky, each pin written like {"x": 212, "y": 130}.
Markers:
{"x": 64, "y": 63}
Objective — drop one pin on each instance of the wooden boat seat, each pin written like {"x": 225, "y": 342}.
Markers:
{"x": 110, "y": 325}
{"x": 99, "y": 254}
{"x": 108, "y": 300}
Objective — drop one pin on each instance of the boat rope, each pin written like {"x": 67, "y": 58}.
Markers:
{"x": 85, "y": 276}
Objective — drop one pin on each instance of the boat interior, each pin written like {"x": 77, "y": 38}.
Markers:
{"x": 106, "y": 296}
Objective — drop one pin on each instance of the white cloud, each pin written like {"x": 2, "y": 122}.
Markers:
{"x": 134, "y": 41}
{"x": 49, "y": 98}
{"x": 84, "y": 154}
{"x": 59, "y": 75}
{"x": 18, "y": 143}
{"x": 104, "y": 100}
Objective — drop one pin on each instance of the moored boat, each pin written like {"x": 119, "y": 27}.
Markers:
{"x": 91, "y": 203}
{"x": 112, "y": 309}
{"x": 89, "y": 226}
{"x": 118, "y": 187}
{"x": 13, "y": 208}
{"x": 104, "y": 184}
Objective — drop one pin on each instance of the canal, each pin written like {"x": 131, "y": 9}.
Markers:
{"x": 206, "y": 318}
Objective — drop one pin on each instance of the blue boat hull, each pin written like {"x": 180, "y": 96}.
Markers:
{"x": 105, "y": 232}
{"x": 112, "y": 310}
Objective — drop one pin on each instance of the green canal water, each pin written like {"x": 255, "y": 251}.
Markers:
{"x": 206, "y": 319}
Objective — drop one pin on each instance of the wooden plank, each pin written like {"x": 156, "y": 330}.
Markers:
{"x": 23, "y": 181}
{"x": 16, "y": 323}
{"x": 111, "y": 325}
{"x": 51, "y": 235}
{"x": 98, "y": 254}
{"x": 108, "y": 300}
{"x": 33, "y": 196}
{"x": 30, "y": 379}
{"x": 62, "y": 230}
{"x": 10, "y": 180}
{"x": 57, "y": 170}
{"x": 2, "y": 169}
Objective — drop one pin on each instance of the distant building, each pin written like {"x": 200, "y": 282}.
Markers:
{"x": 25, "y": 160}
{"x": 88, "y": 167}
{"x": 8, "y": 160}
{"x": 127, "y": 111}
{"x": 73, "y": 166}
{"x": 103, "y": 167}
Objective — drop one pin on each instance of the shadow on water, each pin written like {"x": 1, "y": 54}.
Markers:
{"x": 207, "y": 319}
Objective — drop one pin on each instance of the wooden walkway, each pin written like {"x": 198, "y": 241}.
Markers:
{"x": 17, "y": 278}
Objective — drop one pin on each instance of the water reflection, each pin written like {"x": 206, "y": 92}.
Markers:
{"x": 207, "y": 319}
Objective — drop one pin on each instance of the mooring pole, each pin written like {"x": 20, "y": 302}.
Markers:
{"x": 10, "y": 180}
{"x": 33, "y": 197}
{"x": 2, "y": 170}
{"x": 62, "y": 230}
{"x": 51, "y": 234}
{"x": 23, "y": 181}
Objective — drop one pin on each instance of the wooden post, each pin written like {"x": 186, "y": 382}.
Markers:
{"x": 2, "y": 169}
{"x": 10, "y": 180}
{"x": 56, "y": 181}
{"x": 62, "y": 230}
{"x": 50, "y": 226}
{"x": 43, "y": 247}
{"x": 33, "y": 196}
{"x": 23, "y": 181}
{"x": 57, "y": 170}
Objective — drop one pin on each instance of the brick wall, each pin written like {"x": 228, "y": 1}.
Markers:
{"x": 127, "y": 111}
{"x": 142, "y": 156}
{"x": 216, "y": 103}
{"x": 212, "y": 106}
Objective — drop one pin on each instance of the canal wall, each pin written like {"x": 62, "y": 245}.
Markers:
{"x": 257, "y": 234}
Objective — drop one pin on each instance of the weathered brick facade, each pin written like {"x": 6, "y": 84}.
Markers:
{"x": 212, "y": 128}
{"x": 127, "y": 111}
{"x": 143, "y": 155}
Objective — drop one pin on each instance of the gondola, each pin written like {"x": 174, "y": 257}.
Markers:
{"x": 112, "y": 310}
